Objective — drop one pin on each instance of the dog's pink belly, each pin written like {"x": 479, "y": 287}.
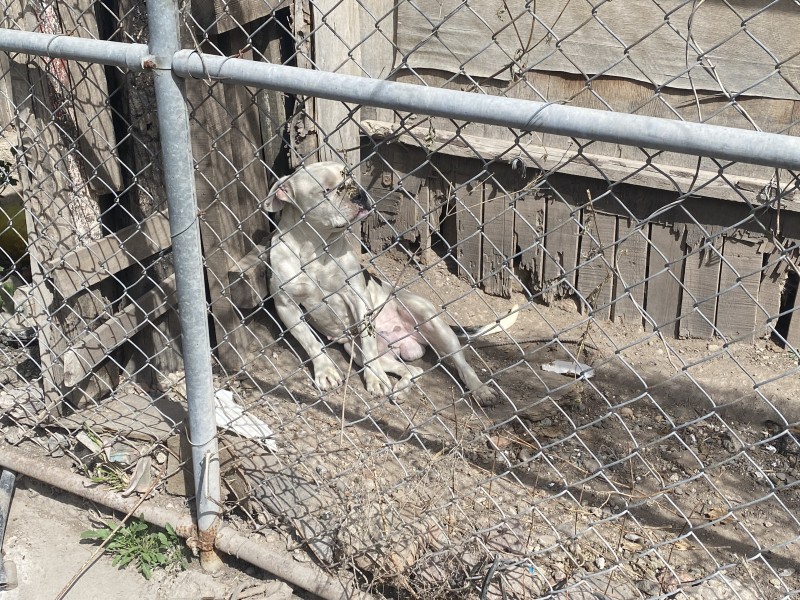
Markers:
{"x": 396, "y": 331}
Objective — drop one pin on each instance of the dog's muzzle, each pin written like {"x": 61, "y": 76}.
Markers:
{"x": 361, "y": 201}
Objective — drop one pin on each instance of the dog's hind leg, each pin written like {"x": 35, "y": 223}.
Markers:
{"x": 442, "y": 339}
{"x": 402, "y": 370}
{"x": 391, "y": 366}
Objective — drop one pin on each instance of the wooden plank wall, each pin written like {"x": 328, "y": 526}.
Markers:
{"x": 231, "y": 180}
{"x": 572, "y": 236}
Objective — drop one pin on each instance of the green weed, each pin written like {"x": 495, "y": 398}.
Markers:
{"x": 143, "y": 546}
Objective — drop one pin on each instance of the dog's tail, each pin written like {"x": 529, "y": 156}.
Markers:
{"x": 502, "y": 324}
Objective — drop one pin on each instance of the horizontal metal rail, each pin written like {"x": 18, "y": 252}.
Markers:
{"x": 699, "y": 139}
{"x": 118, "y": 54}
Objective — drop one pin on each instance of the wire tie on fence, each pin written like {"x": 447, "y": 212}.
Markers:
{"x": 52, "y": 39}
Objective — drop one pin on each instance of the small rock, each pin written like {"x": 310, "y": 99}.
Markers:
{"x": 14, "y": 435}
{"x": 730, "y": 444}
{"x": 649, "y": 588}
{"x": 56, "y": 444}
{"x": 600, "y": 562}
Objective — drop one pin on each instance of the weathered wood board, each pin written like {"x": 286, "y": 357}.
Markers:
{"x": 230, "y": 181}
{"x": 770, "y": 290}
{"x": 497, "y": 275}
{"x": 639, "y": 170}
{"x": 630, "y": 272}
{"x": 337, "y": 37}
{"x": 89, "y": 265}
{"x": 61, "y": 176}
{"x": 561, "y": 245}
{"x": 665, "y": 271}
{"x": 701, "y": 283}
{"x": 596, "y": 262}
{"x": 529, "y": 223}
{"x": 793, "y": 333}
{"x": 397, "y": 182}
{"x": 96, "y": 136}
{"x": 740, "y": 275}
{"x": 466, "y": 209}
{"x": 220, "y": 16}
{"x": 586, "y": 46}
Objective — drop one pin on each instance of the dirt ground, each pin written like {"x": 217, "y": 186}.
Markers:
{"x": 43, "y": 542}
{"x": 668, "y": 471}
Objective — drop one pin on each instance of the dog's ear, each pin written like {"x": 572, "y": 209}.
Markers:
{"x": 280, "y": 194}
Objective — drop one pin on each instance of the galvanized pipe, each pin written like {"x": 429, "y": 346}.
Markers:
{"x": 700, "y": 139}
{"x": 278, "y": 562}
{"x": 620, "y": 128}
{"x": 118, "y": 54}
{"x": 176, "y": 153}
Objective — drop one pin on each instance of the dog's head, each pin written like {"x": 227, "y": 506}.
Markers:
{"x": 325, "y": 193}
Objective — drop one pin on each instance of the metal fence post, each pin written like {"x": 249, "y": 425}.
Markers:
{"x": 173, "y": 119}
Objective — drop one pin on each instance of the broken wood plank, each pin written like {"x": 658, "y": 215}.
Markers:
{"x": 467, "y": 212}
{"x": 665, "y": 272}
{"x": 740, "y": 275}
{"x": 94, "y": 347}
{"x": 497, "y": 275}
{"x": 561, "y": 246}
{"x": 528, "y": 230}
{"x": 773, "y": 280}
{"x": 397, "y": 181}
{"x": 793, "y": 333}
{"x": 700, "y": 284}
{"x": 91, "y": 264}
{"x": 595, "y": 272}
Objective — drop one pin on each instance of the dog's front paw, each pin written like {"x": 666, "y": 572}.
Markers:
{"x": 378, "y": 384}
{"x": 326, "y": 375}
{"x": 485, "y": 396}
{"x": 403, "y": 388}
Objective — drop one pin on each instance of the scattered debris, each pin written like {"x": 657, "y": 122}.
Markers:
{"x": 232, "y": 417}
{"x": 566, "y": 367}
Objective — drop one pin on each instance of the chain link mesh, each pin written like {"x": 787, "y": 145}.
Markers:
{"x": 644, "y": 438}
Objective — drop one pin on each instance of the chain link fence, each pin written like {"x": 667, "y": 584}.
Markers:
{"x": 643, "y": 437}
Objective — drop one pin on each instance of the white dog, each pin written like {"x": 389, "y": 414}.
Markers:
{"x": 317, "y": 279}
